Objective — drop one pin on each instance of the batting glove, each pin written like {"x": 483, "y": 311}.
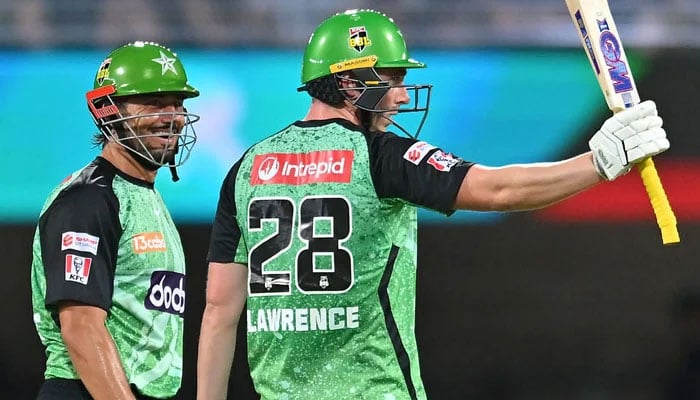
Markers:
{"x": 626, "y": 138}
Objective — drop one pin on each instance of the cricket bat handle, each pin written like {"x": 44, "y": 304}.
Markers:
{"x": 659, "y": 202}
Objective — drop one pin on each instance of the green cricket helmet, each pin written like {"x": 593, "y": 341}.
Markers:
{"x": 354, "y": 44}
{"x": 355, "y": 39}
{"x": 144, "y": 68}
{"x": 141, "y": 68}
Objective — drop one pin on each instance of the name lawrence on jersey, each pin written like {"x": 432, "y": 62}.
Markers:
{"x": 303, "y": 319}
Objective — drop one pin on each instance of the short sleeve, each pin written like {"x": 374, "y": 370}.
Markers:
{"x": 79, "y": 235}
{"x": 415, "y": 171}
{"x": 226, "y": 234}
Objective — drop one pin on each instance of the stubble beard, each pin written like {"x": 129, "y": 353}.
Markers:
{"x": 150, "y": 158}
{"x": 162, "y": 155}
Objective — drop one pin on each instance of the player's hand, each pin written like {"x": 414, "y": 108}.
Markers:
{"x": 626, "y": 138}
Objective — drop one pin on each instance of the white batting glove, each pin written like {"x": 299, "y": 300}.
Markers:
{"x": 626, "y": 138}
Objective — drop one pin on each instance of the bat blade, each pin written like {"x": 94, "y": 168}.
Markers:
{"x": 599, "y": 37}
{"x": 601, "y": 41}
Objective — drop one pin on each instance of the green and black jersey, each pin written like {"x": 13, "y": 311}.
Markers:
{"x": 323, "y": 214}
{"x": 106, "y": 239}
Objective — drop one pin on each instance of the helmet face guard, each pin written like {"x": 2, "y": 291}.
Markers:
{"x": 360, "y": 42}
{"x": 142, "y": 68}
{"x": 118, "y": 128}
{"x": 372, "y": 90}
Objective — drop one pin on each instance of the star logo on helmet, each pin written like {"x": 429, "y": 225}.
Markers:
{"x": 166, "y": 63}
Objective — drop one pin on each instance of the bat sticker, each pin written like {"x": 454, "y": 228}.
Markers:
{"x": 617, "y": 68}
{"x": 587, "y": 40}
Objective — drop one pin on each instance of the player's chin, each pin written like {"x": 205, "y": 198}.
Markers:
{"x": 163, "y": 156}
{"x": 380, "y": 127}
{"x": 385, "y": 123}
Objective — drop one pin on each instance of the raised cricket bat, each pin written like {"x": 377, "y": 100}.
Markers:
{"x": 601, "y": 41}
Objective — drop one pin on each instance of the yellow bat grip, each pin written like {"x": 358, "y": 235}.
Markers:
{"x": 659, "y": 202}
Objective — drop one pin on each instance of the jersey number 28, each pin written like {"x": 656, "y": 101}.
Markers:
{"x": 324, "y": 223}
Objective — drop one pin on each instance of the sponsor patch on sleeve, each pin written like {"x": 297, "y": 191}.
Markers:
{"x": 417, "y": 152}
{"x": 442, "y": 161}
{"x": 78, "y": 268}
{"x": 79, "y": 241}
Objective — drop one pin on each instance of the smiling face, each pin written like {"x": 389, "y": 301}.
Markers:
{"x": 151, "y": 127}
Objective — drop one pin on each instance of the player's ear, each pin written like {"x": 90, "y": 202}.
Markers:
{"x": 345, "y": 82}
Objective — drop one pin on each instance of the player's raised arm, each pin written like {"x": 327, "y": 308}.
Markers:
{"x": 623, "y": 139}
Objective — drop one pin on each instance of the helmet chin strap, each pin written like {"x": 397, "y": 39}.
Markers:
{"x": 150, "y": 166}
{"x": 171, "y": 163}
{"x": 173, "y": 171}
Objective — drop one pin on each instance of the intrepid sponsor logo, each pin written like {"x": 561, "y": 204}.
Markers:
{"x": 148, "y": 242}
{"x": 167, "y": 292}
{"x": 78, "y": 268}
{"x": 79, "y": 241}
{"x": 417, "y": 152}
{"x": 332, "y": 166}
{"x": 442, "y": 161}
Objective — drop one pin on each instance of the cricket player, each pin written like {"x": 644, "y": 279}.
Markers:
{"x": 314, "y": 237}
{"x": 108, "y": 273}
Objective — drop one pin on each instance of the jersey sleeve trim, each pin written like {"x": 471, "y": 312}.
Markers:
{"x": 79, "y": 237}
{"x": 226, "y": 234}
{"x": 415, "y": 171}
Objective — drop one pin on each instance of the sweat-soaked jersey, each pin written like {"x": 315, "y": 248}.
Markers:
{"x": 106, "y": 239}
{"x": 324, "y": 215}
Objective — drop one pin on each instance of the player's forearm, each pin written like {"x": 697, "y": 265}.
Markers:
{"x": 217, "y": 342}
{"x": 559, "y": 181}
{"x": 95, "y": 358}
{"x": 548, "y": 183}
{"x": 526, "y": 186}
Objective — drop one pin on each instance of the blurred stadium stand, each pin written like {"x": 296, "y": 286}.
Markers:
{"x": 287, "y": 23}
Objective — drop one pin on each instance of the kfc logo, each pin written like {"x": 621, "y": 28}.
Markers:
{"x": 417, "y": 152}
{"x": 331, "y": 166}
{"x": 77, "y": 268}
